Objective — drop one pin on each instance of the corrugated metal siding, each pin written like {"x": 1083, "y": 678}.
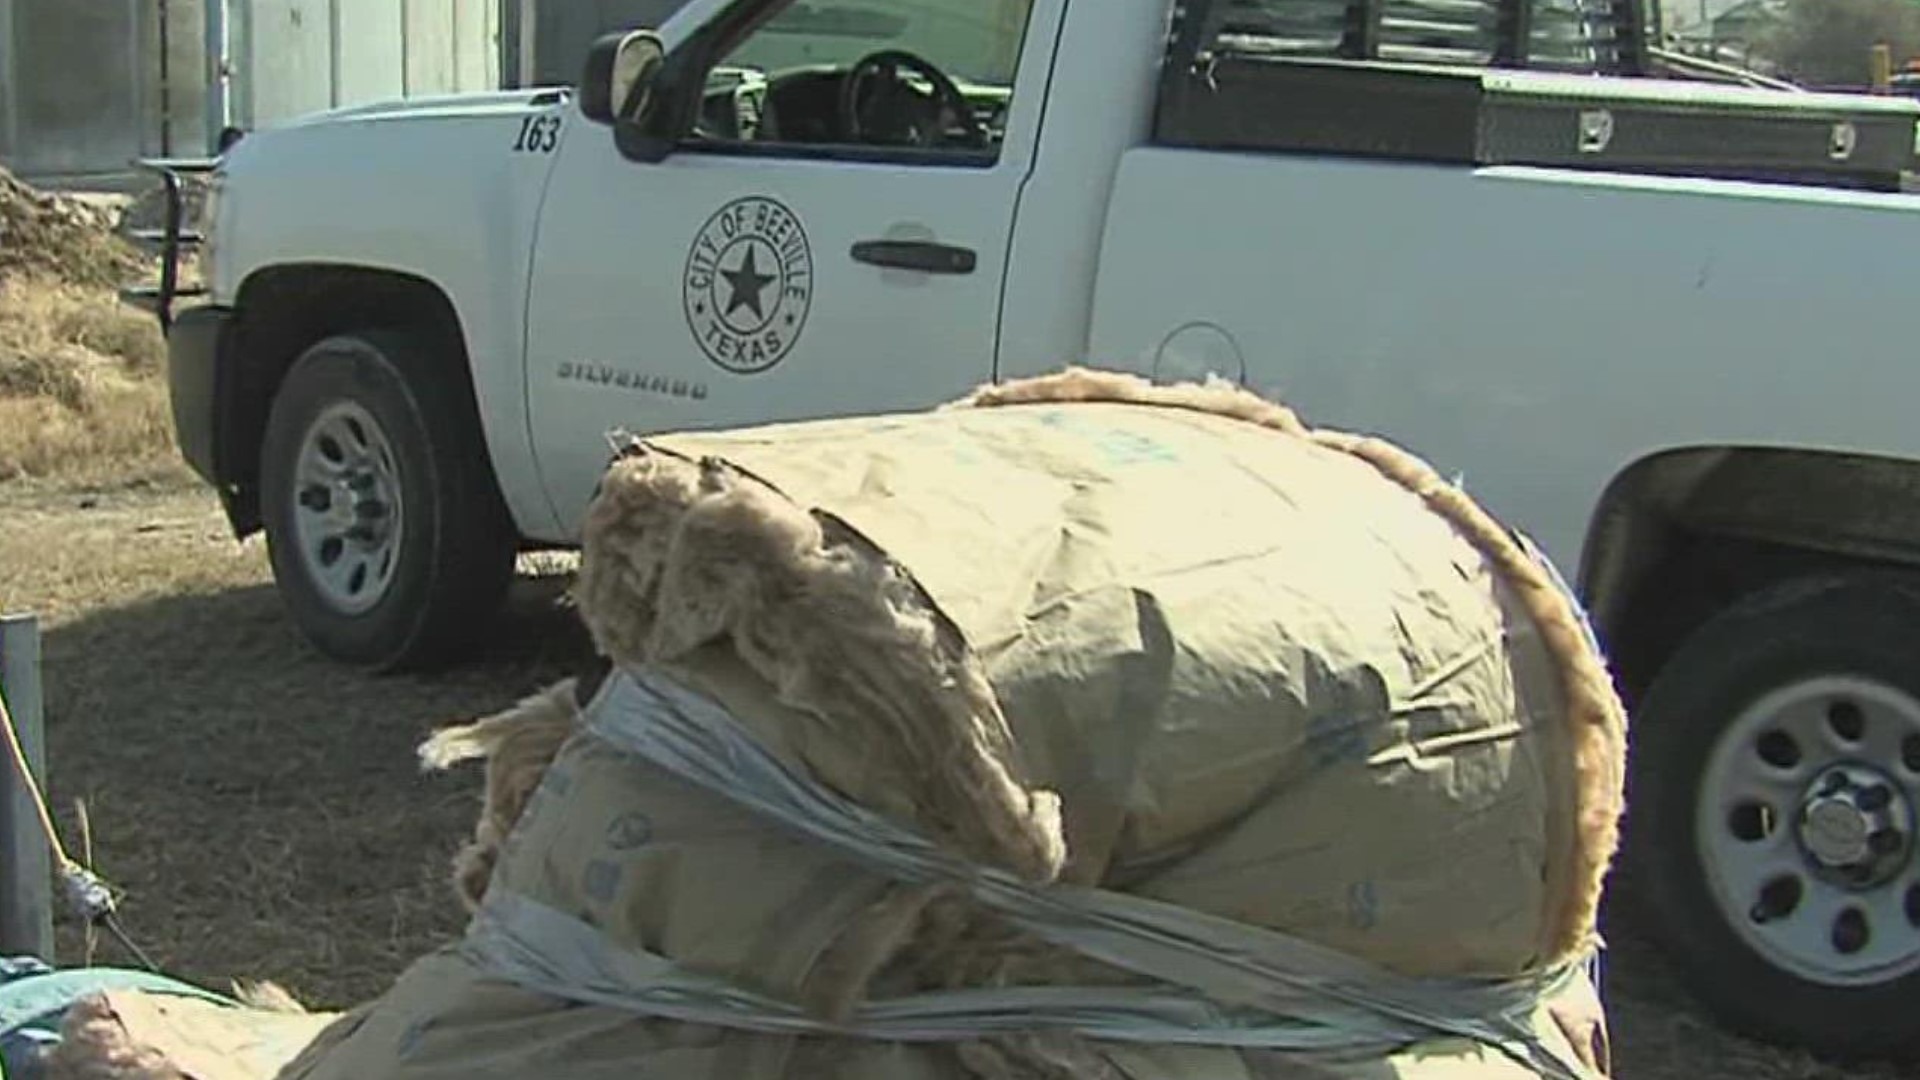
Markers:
{"x": 368, "y": 51}
{"x": 298, "y": 56}
{"x": 475, "y": 32}
{"x": 282, "y": 60}
{"x": 81, "y": 85}
{"x": 565, "y": 29}
{"x": 74, "y": 98}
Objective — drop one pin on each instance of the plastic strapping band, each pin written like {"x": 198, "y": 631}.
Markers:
{"x": 1298, "y": 995}
{"x": 547, "y": 950}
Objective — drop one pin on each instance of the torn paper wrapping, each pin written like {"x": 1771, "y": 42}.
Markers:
{"x": 131, "y": 1034}
{"x": 1183, "y": 657}
{"x": 1264, "y": 681}
{"x": 447, "y": 1019}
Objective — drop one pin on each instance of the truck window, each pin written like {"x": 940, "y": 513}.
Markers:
{"x": 1562, "y": 35}
{"x": 930, "y": 77}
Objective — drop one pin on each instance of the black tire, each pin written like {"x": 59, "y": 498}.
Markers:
{"x": 1863, "y": 626}
{"x": 454, "y": 556}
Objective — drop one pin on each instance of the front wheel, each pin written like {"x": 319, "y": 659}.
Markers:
{"x": 1773, "y": 814}
{"x": 389, "y": 542}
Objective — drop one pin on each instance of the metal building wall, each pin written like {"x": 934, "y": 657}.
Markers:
{"x": 176, "y": 120}
{"x": 59, "y": 123}
{"x": 563, "y": 30}
{"x": 86, "y": 86}
{"x": 294, "y": 57}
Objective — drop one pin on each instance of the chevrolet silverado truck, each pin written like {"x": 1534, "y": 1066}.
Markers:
{"x": 1651, "y": 311}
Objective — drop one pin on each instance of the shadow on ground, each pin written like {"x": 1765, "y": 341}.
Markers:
{"x": 262, "y": 806}
{"x": 1661, "y": 1032}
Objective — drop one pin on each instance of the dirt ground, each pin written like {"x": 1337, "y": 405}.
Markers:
{"x": 263, "y": 810}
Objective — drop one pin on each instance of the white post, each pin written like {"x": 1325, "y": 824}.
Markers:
{"x": 219, "y": 72}
{"x": 26, "y": 866}
{"x": 527, "y": 63}
{"x": 406, "y": 48}
{"x": 334, "y": 44}
{"x": 9, "y": 84}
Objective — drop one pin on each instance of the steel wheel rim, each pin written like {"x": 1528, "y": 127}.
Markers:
{"x": 347, "y": 513}
{"x": 1806, "y": 825}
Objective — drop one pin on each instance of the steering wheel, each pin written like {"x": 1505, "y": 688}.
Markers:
{"x": 857, "y": 118}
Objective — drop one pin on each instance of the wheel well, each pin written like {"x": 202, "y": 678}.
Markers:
{"x": 283, "y": 310}
{"x": 1682, "y": 534}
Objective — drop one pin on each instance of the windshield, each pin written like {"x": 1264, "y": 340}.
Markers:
{"x": 976, "y": 41}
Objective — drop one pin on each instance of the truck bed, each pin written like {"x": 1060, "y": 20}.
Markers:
{"x": 1529, "y": 328}
{"x": 1477, "y": 116}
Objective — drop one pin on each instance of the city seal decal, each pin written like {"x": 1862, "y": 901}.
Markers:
{"x": 748, "y": 284}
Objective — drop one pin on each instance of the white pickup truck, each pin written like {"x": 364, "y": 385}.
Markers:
{"x": 1658, "y": 323}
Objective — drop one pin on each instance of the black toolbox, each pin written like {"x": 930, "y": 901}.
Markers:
{"x": 1242, "y": 81}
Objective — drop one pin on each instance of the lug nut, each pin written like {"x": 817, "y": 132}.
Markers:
{"x": 1885, "y": 842}
{"x": 370, "y": 510}
{"x": 1874, "y": 798}
{"x": 316, "y": 499}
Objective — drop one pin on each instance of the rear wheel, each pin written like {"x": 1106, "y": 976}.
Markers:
{"x": 1772, "y": 819}
{"x": 389, "y": 542}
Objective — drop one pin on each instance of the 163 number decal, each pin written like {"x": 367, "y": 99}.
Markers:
{"x": 538, "y": 135}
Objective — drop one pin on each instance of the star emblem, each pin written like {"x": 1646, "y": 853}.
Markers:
{"x": 747, "y": 283}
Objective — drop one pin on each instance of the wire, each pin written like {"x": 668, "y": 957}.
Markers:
{"x": 91, "y": 936}
{"x": 20, "y": 765}
{"x": 88, "y": 895}
{"x": 1704, "y": 66}
{"x": 112, "y": 922}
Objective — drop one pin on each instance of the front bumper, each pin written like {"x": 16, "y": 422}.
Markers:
{"x": 196, "y": 353}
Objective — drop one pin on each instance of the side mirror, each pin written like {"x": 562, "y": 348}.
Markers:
{"x": 617, "y": 85}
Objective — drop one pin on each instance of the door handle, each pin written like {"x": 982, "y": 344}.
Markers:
{"x": 923, "y": 255}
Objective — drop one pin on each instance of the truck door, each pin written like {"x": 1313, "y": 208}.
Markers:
{"x": 829, "y": 239}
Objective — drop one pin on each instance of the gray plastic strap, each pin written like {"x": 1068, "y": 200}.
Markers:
{"x": 1302, "y": 995}
{"x": 549, "y": 951}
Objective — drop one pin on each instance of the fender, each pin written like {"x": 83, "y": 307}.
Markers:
{"x": 446, "y": 190}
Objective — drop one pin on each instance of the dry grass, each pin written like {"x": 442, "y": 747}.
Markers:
{"x": 82, "y": 392}
{"x": 262, "y": 808}
{"x": 82, "y": 389}
{"x": 62, "y": 236}
{"x": 124, "y": 432}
